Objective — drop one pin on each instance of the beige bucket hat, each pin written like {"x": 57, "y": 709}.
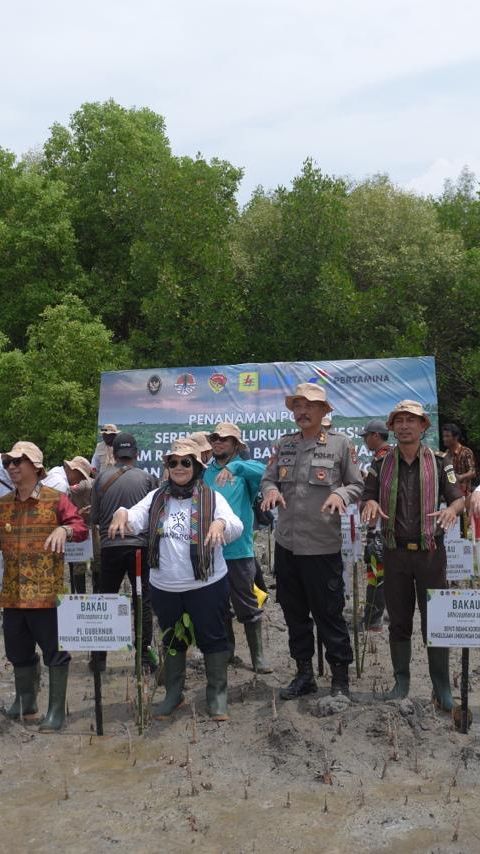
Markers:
{"x": 310, "y": 391}
{"x": 31, "y": 451}
{"x": 80, "y": 464}
{"x": 186, "y": 448}
{"x": 201, "y": 440}
{"x": 411, "y": 406}
{"x": 109, "y": 428}
{"x": 224, "y": 430}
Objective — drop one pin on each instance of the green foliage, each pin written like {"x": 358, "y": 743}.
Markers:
{"x": 50, "y": 391}
{"x": 115, "y": 253}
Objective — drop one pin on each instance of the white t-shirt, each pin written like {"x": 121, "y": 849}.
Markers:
{"x": 57, "y": 479}
{"x": 175, "y": 572}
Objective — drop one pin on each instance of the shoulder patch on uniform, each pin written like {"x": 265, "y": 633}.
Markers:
{"x": 448, "y": 467}
{"x": 451, "y": 476}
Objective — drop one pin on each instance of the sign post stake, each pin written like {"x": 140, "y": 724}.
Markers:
{"x": 464, "y": 689}
{"x": 97, "y": 684}
{"x": 355, "y": 602}
{"x": 138, "y": 638}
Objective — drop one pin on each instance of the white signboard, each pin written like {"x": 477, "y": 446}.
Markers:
{"x": 453, "y": 617}
{"x": 459, "y": 560}
{"x": 453, "y": 533}
{"x": 79, "y": 552}
{"x": 94, "y": 623}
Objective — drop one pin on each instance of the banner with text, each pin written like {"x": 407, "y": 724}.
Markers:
{"x": 163, "y": 404}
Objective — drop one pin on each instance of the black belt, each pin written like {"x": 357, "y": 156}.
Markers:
{"x": 413, "y": 545}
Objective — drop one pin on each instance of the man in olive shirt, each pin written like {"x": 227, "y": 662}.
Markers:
{"x": 312, "y": 478}
{"x": 404, "y": 490}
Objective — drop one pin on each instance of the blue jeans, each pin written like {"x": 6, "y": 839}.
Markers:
{"x": 206, "y": 607}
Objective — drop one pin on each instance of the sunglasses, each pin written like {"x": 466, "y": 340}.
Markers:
{"x": 185, "y": 462}
{"x": 8, "y": 461}
{"x": 216, "y": 438}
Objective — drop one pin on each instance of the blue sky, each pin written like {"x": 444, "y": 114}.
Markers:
{"x": 377, "y": 86}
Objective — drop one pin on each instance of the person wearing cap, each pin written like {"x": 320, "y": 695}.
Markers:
{"x": 122, "y": 485}
{"x": 200, "y": 438}
{"x": 312, "y": 478}
{"x": 74, "y": 479}
{"x": 376, "y": 436}
{"x": 186, "y": 524}
{"x": 35, "y": 523}
{"x": 238, "y": 480}
{"x": 103, "y": 454}
{"x": 404, "y": 490}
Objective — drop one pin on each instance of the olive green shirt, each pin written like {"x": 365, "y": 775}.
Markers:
{"x": 307, "y": 471}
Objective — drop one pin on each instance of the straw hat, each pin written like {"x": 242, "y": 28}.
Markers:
{"x": 109, "y": 428}
{"x": 31, "y": 451}
{"x": 310, "y": 391}
{"x": 411, "y": 406}
{"x": 224, "y": 430}
{"x": 186, "y": 448}
{"x": 79, "y": 464}
{"x": 201, "y": 440}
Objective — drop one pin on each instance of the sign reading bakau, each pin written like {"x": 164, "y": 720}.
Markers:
{"x": 453, "y": 617}
{"x": 95, "y": 623}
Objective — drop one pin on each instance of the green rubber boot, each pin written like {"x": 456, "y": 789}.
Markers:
{"x": 216, "y": 665}
{"x": 401, "y": 653}
{"x": 438, "y": 667}
{"x": 27, "y": 685}
{"x": 253, "y": 632}
{"x": 174, "y": 675}
{"x": 57, "y": 692}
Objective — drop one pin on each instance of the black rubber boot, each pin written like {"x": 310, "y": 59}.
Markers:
{"x": 27, "y": 685}
{"x": 175, "y": 667}
{"x": 401, "y": 653}
{"x": 302, "y": 683}
{"x": 253, "y": 632}
{"x": 340, "y": 684}
{"x": 216, "y": 666}
{"x": 57, "y": 692}
{"x": 438, "y": 658}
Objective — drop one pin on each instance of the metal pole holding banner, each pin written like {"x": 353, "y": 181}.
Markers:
{"x": 138, "y": 636}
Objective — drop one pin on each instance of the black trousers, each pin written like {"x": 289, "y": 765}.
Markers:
{"x": 206, "y": 608}
{"x": 313, "y": 585}
{"x": 23, "y": 628}
{"x": 117, "y": 562}
{"x": 408, "y": 575}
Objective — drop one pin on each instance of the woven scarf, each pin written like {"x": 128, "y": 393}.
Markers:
{"x": 428, "y": 496}
{"x": 202, "y": 514}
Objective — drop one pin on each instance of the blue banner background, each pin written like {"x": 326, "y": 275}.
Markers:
{"x": 161, "y": 404}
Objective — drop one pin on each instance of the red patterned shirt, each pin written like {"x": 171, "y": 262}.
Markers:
{"x": 32, "y": 576}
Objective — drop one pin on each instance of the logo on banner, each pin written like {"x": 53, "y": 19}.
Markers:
{"x": 320, "y": 377}
{"x": 248, "y": 381}
{"x": 154, "y": 384}
{"x": 185, "y": 384}
{"x": 217, "y": 382}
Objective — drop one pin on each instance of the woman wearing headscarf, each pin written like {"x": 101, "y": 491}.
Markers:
{"x": 188, "y": 524}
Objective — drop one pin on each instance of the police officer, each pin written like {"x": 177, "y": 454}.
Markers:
{"x": 404, "y": 490}
{"x": 312, "y": 478}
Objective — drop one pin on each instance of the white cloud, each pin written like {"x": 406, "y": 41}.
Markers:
{"x": 263, "y": 83}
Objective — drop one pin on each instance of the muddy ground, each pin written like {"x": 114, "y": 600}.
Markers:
{"x": 375, "y": 776}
